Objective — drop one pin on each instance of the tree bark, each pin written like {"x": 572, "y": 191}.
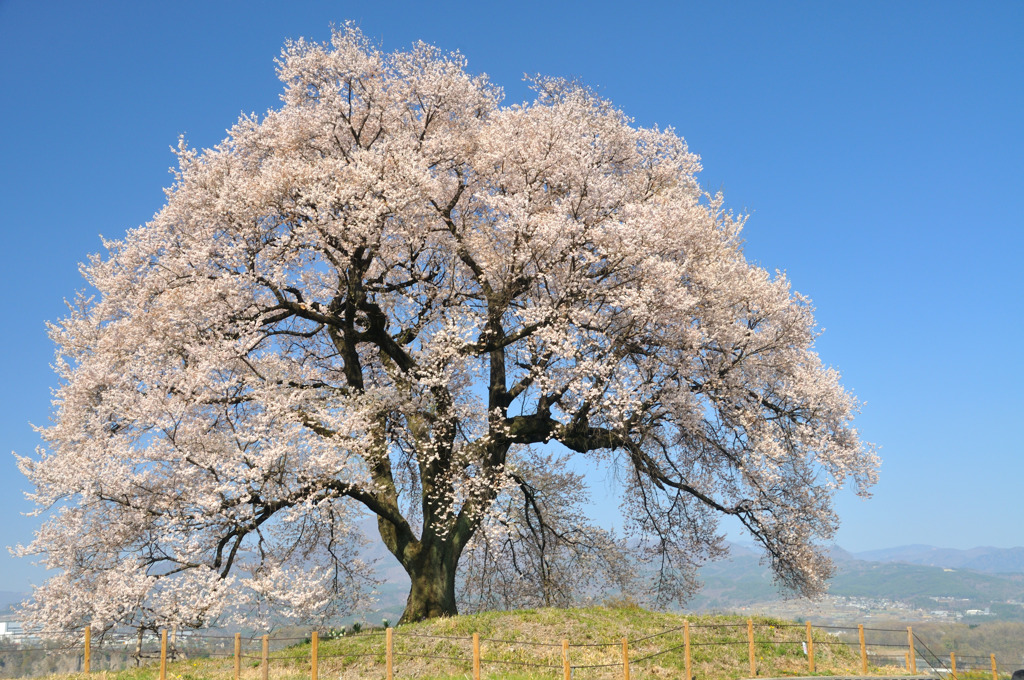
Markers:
{"x": 432, "y": 573}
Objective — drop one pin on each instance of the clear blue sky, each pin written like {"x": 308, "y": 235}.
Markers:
{"x": 878, "y": 147}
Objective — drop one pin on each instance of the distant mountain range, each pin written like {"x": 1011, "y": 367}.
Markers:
{"x": 980, "y": 578}
{"x": 985, "y": 560}
{"x": 9, "y": 599}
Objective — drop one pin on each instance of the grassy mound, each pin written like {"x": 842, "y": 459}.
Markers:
{"x": 527, "y": 644}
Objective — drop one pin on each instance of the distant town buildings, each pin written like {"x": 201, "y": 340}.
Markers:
{"x": 11, "y": 630}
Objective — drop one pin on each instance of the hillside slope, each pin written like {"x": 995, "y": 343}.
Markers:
{"x": 528, "y": 644}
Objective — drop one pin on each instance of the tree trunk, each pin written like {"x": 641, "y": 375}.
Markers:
{"x": 138, "y": 648}
{"x": 433, "y": 583}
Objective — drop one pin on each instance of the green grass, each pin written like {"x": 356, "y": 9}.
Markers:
{"x": 719, "y": 649}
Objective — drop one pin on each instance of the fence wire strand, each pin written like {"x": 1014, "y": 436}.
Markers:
{"x": 520, "y": 663}
{"x": 664, "y": 632}
{"x": 640, "y": 659}
{"x": 430, "y": 656}
{"x": 438, "y": 637}
{"x": 521, "y": 642}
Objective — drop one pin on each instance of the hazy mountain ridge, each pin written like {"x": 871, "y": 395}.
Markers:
{"x": 940, "y": 592}
{"x": 983, "y": 559}
{"x": 895, "y": 580}
{"x": 10, "y": 599}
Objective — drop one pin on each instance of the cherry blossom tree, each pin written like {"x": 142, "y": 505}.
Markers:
{"x": 397, "y": 296}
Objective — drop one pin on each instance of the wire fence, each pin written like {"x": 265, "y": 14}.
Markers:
{"x": 716, "y": 650}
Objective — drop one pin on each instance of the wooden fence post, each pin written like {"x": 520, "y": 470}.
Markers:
{"x": 163, "y": 654}
{"x": 625, "y": 658}
{"x": 952, "y": 664}
{"x": 810, "y": 649}
{"x": 389, "y": 654}
{"x": 87, "y": 655}
{"x": 911, "y": 651}
{"x": 265, "y": 659}
{"x": 994, "y": 668}
{"x": 238, "y": 656}
{"x": 566, "y": 668}
{"x": 863, "y": 650}
{"x": 476, "y": 656}
{"x": 314, "y": 650}
{"x": 750, "y": 645}
{"x": 686, "y": 648}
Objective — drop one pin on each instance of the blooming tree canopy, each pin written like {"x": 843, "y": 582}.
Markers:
{"x": 396, "y": 296}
